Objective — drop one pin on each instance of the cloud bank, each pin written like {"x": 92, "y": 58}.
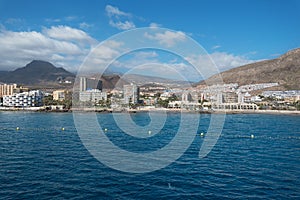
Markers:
{"x": 62, "y": 45}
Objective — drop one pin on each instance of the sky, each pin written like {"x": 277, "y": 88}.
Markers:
{"x": 232, "y": 32}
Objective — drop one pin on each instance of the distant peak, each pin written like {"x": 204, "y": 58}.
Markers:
{"x": 39, "y": 62}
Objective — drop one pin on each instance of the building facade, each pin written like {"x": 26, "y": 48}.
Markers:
{"x": 92, "y": 96}
{"x": 89, "y": 84}
{"x": 230, "y": 97}
{"x": 59, "y": 95}
{"x": 186, "y": 97}
{"x": 131, "y": 94}
{"x": 26, "y": 99}
{"x": 7, "y": 89}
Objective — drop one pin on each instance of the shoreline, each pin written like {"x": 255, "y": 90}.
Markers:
{"x": 41, "y": 109}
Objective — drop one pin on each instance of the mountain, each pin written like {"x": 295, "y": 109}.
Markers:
{"x": 284, "y": 70}
{"x": 37, "y": 72}
{"x": 41, "y": 74}
{"x": 142, "y": 79}
{"x": 111, "y": 81}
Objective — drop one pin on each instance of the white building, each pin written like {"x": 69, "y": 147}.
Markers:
{"x": 281, "y": 94}
{"x": 93, "y": 95}
{"x": 59, "y": 95}
{"x": 252, "y": 87}
{"x": 186, "y": 97}
{"x": 131, "y": 94}
{"x": 26, "y": 99}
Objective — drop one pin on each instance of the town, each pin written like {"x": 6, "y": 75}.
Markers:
{"x": 91, "y": 95}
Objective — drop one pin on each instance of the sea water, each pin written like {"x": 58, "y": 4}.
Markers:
{"x": 43, "y": 157}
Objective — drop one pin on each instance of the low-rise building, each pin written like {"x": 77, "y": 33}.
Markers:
{"x": 282, "y": 94}
{"x": 59, "y": 95}
{"x": 25, "y": 99}
{"x": 230, "y": 97}
{"x": 93, "y": 95}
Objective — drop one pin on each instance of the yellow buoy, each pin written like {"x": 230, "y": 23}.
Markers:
{"x": 252, "y": 136}
{"x": 105, "y": 129}
{"x": 62, "y": 128}
{"x": 201, "y": 134}
{"x": 18, "y": 128}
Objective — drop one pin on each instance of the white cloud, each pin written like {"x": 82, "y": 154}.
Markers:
{"x": 154, "y": 63}
{"x": 122, "y": 25}
{"x": 68, "y": 34}
{"x": 167, "y": 38}
{"x": 101, "y": 56}
{"x": 119, "y": 19}
{"x": 33, "y": 40}
{"x": 206, "y": 65}
{"x": 135, "y": 58}
{"x": 154, "y": 25}
{"x": 50, "y": 20}
{"x": 145, "y": 54}
{"x": 192, "y": 68}
{"x": 71, "y": 18}
{"x": 216, "y": 47}
{"x": 114, "y": 11}
{"x": 19, "y": 48}
{"x": 57, "y": 57}
{"x": 84, "y": 25}
{"x": 63, "y": 19}
{"x": 226, "y": 61}
{"x": 107, "y": 50}
{"x": 217, "y": 62}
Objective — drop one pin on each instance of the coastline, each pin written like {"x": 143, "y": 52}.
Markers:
{"x": 288, "y": 112}
{"x": 219, "y": 111}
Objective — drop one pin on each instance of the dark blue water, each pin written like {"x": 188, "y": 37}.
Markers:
{"x": 42, "y": 161}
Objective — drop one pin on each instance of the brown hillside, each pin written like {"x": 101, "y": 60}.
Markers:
{"x": 284, "y": 70}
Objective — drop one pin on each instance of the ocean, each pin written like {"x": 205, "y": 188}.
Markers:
{"x": 42, "y": 156}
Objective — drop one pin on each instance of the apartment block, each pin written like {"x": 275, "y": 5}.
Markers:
{"x": 92, "y": 95}
{"x": 26, "y": 99}
{"x": 89, "y": 84}
{"x": 59, "y": 95}
{"x": 7, "y": 89}
{"x": 131, "y": 93}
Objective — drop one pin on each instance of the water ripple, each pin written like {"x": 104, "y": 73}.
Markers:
{"x": 41, "y": 161}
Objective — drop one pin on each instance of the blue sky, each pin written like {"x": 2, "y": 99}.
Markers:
{"x": 233, "y": 32}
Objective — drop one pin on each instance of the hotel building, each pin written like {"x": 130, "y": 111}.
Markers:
{"x": 7, "y": 89}
{"x": 26, "y": 99}
{"x": 131, "y": 93}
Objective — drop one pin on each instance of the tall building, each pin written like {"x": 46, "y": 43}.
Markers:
{"x": 7, "y": 89}
{"x": 89, "y": 84}
{"x": 90, "y": 89}
{"x": 186, "y": 97}
{"x": 131, "y": 93}
{"x": 82, "y": 84}
{"x": 219, "y": 98}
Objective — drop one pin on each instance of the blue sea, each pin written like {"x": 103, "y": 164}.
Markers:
{"x": 42, "y": 156}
